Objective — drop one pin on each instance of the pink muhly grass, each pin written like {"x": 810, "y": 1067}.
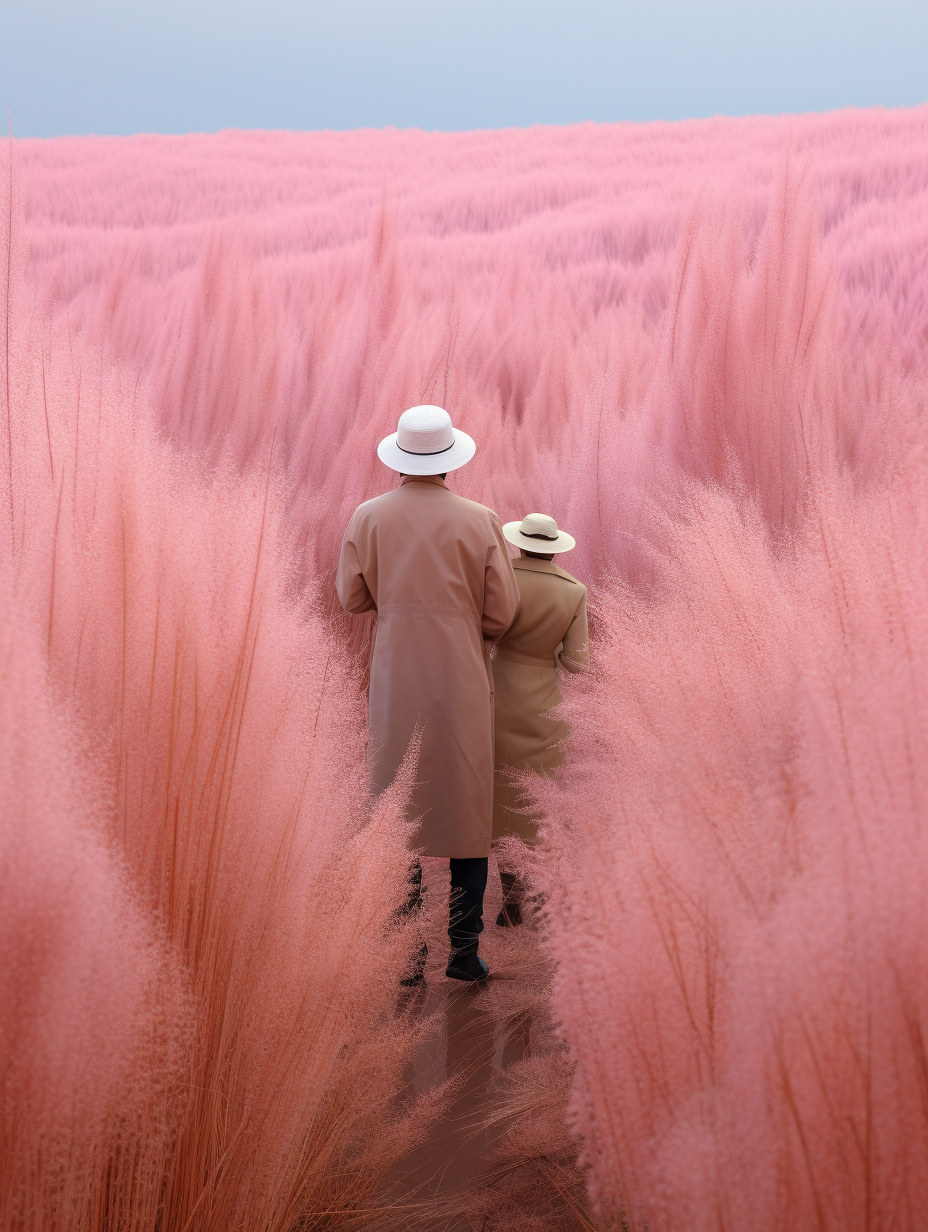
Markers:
{"x": 296, "y": 289}
{"x": 93, "y": 1011}
{"x": 200, "y": 1031}
{"x": 702, "y": 347}
{"x": 737, "y": 872}
{"x": 736, "y": 856}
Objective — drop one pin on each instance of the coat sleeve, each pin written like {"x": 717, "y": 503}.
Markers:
{"x": 353, "y": 593}
{"x": 575, "y": 650}
{"x": 501, "y": 598}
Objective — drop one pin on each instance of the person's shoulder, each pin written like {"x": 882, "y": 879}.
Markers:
{"x": 474, "y": 510}
{"x": 549, "y": 576}
{"x": 378, "y": 502}
{"x": 557, "y": 571}
{"x": 371, "y": 508}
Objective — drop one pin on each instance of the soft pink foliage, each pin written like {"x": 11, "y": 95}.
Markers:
{"x": 703, "y": 347}
{"x": 86, "y": 986}
{"x": 197, "y": 904}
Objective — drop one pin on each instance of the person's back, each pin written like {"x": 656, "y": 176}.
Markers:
{"x": 549, "y": 631}
{"x": 551, "y": 625}
{"x": 432, "y": 564}
{"x": 425, "y": 547}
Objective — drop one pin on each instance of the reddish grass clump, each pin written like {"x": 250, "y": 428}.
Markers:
{"x": 200, "y": 961}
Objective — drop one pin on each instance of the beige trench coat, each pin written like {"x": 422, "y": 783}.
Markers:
{"x": 436, "y": 569}
{"x": 551, "y": 628}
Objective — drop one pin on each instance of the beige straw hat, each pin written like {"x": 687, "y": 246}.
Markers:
{"x": 538, "y": 533}
{"x": 426, "y": 443}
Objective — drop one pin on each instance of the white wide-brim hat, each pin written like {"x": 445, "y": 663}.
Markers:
{"x": 538, "y": 533}
{"x": 426, "y": 443}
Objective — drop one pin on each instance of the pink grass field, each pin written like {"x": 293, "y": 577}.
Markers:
{"x": 703, "y": 347}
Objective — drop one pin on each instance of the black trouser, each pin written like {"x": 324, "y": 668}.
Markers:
{"x": 468, "y": 882}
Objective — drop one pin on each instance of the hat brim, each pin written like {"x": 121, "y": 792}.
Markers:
{"x": 406, "y": 463}
{"x": 563, "y": 542}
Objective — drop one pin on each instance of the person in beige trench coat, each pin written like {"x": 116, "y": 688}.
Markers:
{"x": 436, "y": 569}
{"x": 549, "y": 632}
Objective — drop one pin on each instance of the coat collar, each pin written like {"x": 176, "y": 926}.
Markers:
{"x": 436, "y": 479}
{"x": 541, "y": 566}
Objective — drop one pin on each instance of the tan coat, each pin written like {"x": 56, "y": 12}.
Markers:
{"x": 550, "y": 629}
{"x": 436, "y": 569}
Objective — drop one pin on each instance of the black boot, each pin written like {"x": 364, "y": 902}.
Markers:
{"x": 468, "y": 882}
{"x": 470, "y": 967}
{"x": 511, "y": 913}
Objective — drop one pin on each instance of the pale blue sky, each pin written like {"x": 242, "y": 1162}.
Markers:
{"x": 125, "y": 66}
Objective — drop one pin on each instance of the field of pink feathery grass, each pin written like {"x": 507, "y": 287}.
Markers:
{"x": 704, "y": 348}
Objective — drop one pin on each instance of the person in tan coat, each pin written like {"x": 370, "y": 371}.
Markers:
{"x": 436, "y": 569}
{"x": 550, "y": 632}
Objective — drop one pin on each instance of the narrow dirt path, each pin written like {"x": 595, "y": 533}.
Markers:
{"x": 468, "y": 1176}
